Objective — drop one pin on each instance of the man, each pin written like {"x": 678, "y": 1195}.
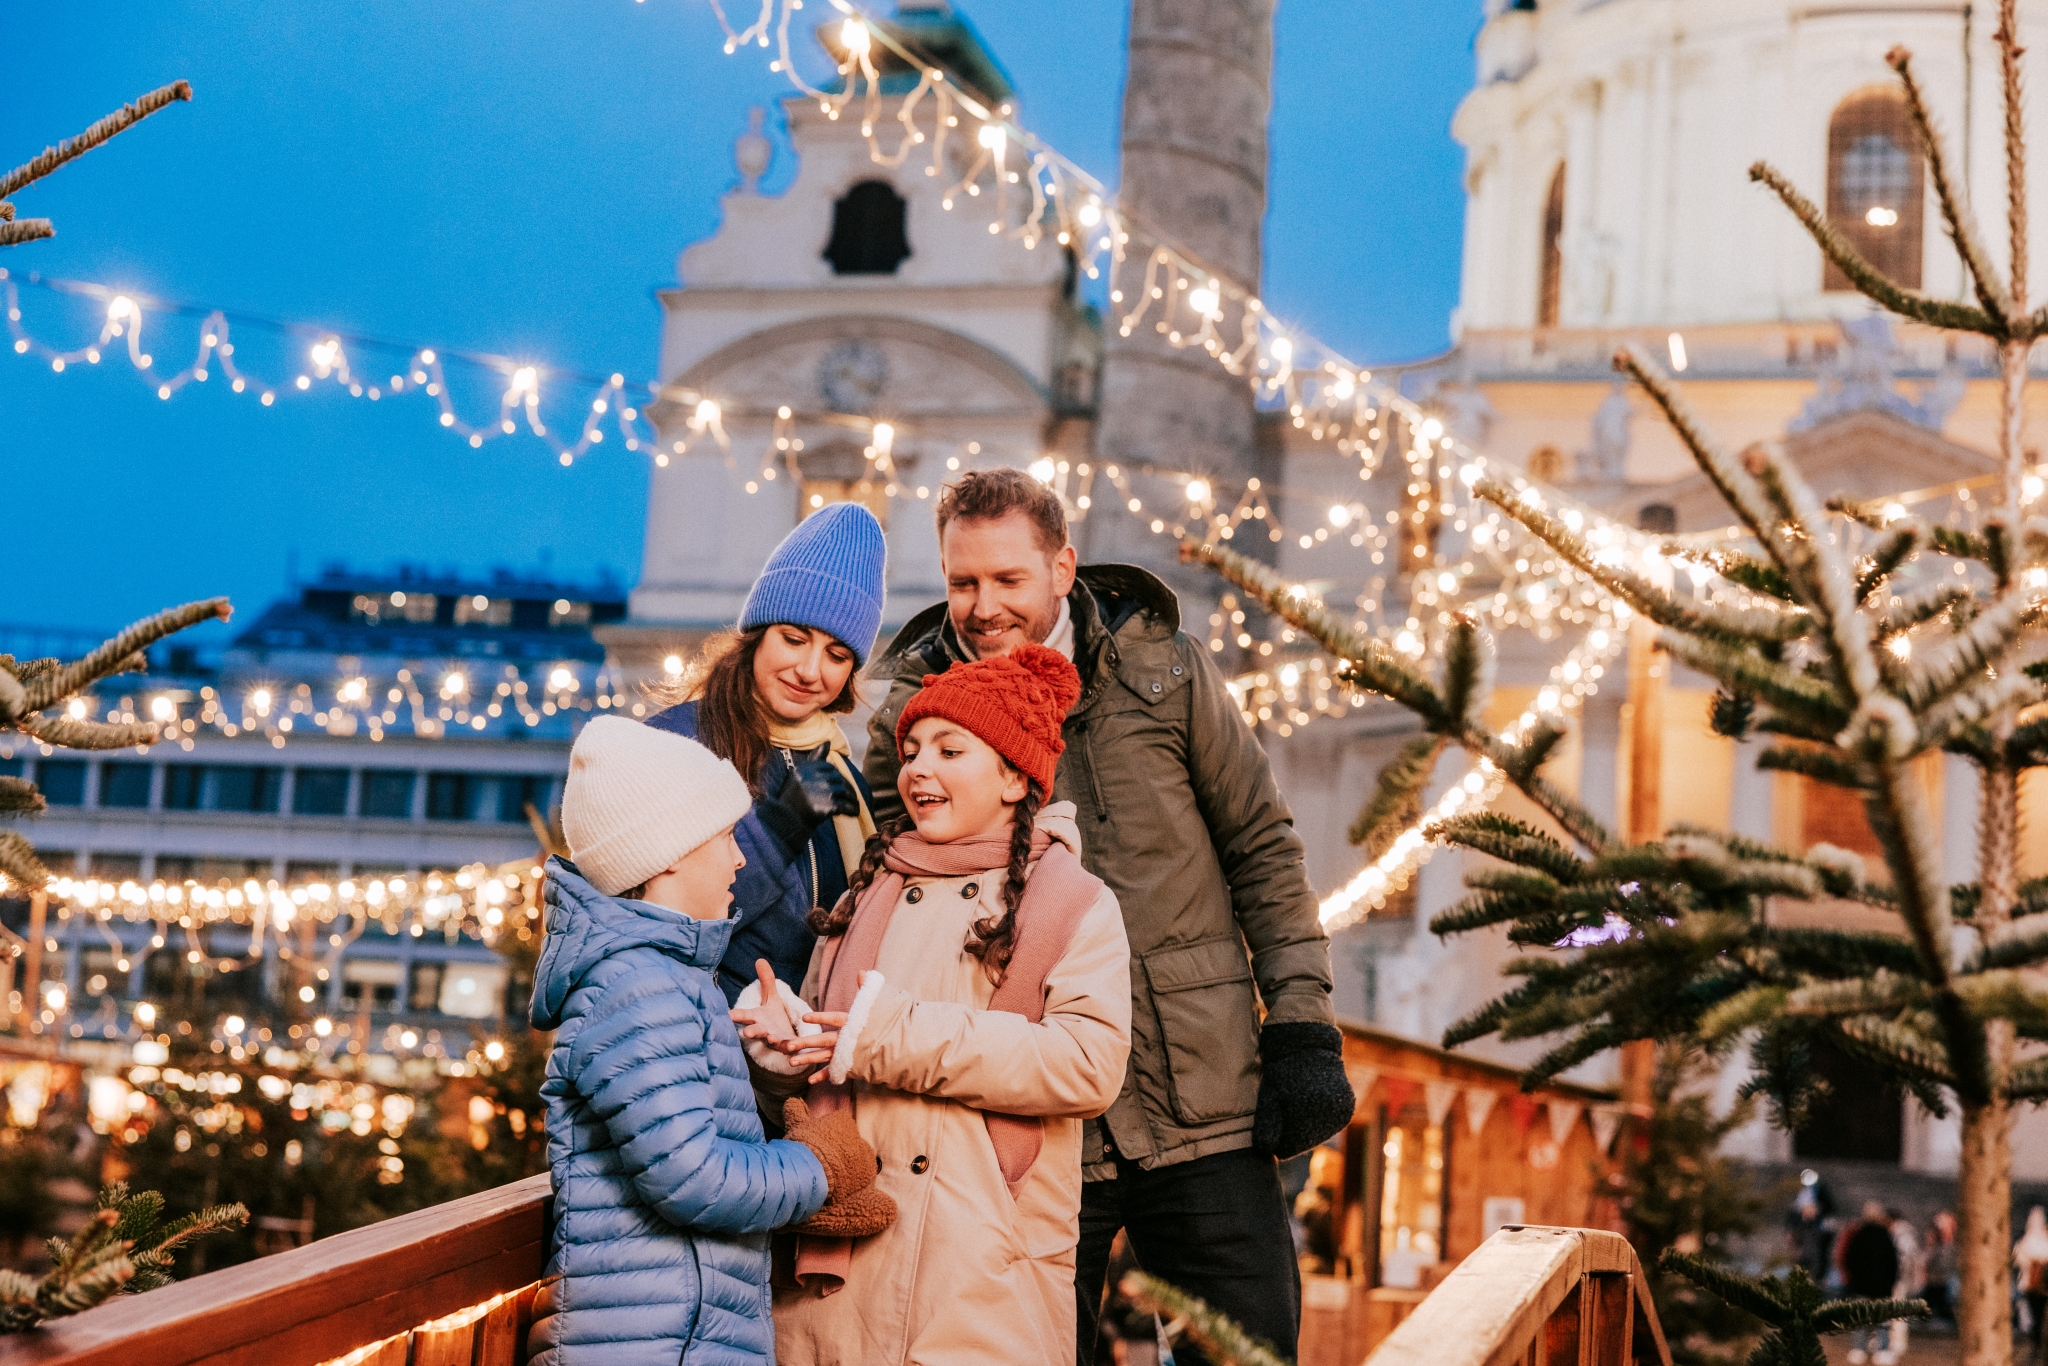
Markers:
{"x": 1179, "y": 814}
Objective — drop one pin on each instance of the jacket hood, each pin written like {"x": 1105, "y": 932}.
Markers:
{"x": 1101, "y": 594}
{"x": 585, "y": 927}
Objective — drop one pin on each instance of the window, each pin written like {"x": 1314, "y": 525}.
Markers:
{"x": 424, "y": 991}
{"x": 114, "y": 867}
{"x": 320, "y": 792}
{"x": 479, "y": 610}
{"x": 867, "y": 231}
{"x": 373, "y": 608}
{"x": 451, "y": 796}
{"x": 370, "y": 983}
{"x": 1875, "y": 191}
{"x": 839, "y": 472}
{"x": 125, "y": 785}
{"x": 62, "y": 781}
{"x": 244, "y": 787}
{"x": 1550, "y": 286}
{"x": 184, "y": 785}
{"x": 387, "y": 794}
{"x": 517, "y": 790}
{"x": 473, "y": 991}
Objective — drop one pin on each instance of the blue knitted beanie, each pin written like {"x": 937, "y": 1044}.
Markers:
{"x": 827, "y": 575}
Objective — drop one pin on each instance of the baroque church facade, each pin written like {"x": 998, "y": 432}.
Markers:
{"x": 1607, "y": 204}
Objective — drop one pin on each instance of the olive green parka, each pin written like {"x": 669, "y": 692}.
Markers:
{"x": 1180, "y": 815}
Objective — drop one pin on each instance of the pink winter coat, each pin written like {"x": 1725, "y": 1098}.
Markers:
{"x": 968, "y": 1274}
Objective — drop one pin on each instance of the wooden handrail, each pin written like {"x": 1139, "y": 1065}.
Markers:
{"x": 1535, "y": 1297}
{"x": 322, "y": 1301}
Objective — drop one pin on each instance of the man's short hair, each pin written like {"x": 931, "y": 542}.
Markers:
{"x": 983, "y": 494}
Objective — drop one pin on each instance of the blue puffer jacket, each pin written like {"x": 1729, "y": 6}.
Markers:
{"x": 665, "y": 1189}
{"x": 773, "y": 895}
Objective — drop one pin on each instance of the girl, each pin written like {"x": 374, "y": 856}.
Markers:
{"x": 977, "y": 1005}
{"x": 766, "y": 703}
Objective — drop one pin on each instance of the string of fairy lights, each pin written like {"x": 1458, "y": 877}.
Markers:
{"x": 1440, "y": 552}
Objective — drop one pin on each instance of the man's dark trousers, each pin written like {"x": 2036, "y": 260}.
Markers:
{"x": 1215, "y": 1227}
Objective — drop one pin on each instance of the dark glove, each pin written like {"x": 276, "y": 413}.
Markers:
{"x": 812, "y": 792}
{"x": 1304, "y": 1096}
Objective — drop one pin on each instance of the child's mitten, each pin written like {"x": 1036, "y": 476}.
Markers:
{"x": 861, "y": 1215}
{"x": 759, "y": 1051}
{"x": 848, "y": 1161}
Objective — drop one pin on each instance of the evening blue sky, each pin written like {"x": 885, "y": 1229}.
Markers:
{"x": 517, "y": 178}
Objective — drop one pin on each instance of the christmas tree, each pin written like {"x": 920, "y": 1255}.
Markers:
{"x": 1855, "y": 665}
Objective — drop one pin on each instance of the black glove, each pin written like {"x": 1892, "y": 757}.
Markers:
{"x": 813, "y": 791}
{"x": 1304, "y": 1096}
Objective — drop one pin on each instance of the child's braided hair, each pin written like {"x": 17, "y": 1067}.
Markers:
{"x": 994, "y": 939}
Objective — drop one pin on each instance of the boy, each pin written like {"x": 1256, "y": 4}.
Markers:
{"x": 665, "y": 1188}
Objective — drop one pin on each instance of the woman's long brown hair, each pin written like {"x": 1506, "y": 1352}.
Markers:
{"x": 994, "y": 939}
{"x": 731, "y": 722}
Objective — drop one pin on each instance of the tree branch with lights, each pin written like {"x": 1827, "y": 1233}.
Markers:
{"x": 1855, "y": 668}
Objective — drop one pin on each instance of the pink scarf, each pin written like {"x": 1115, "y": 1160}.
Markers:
{"x": 1058, "y": 893}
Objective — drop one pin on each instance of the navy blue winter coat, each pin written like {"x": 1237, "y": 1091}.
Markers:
{"x": 773, "y": 895}
{"x": 665, "y": 1188}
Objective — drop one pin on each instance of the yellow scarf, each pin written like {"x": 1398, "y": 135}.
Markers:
{"x": 820, "y": 729}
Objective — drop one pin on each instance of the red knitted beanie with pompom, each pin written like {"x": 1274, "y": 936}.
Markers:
{"x": 1014, "y": 702}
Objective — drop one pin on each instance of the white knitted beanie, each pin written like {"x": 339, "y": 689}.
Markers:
{"x": 638, "y": 799}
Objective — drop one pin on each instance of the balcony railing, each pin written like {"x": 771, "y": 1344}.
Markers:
{"x": 1535, "y": 1297}
{"x": 447, "y": 1286}
{"x": 454, "y": 1286}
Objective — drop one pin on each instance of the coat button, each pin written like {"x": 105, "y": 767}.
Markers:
{"x": 1177, "y": 671}
{"x": 920, "y": 1164}
{"x": 1155, "y": 687}
{"x": 970, "y": 891}
{"x": 914, "y": 895}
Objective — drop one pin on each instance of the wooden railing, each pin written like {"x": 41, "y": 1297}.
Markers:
{"x": 1535, "y": 1297}
{"x": 447, "y": 1286}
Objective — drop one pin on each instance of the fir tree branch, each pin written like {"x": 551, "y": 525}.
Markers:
{"x": 70, "y": 734}
{"x": 1467, "y": 675}
{"x": 1920, "y": 605}
{"x": 114, "y": 656}
{"x": 121, "y": 119}
{"x": 1829, "y": 585}
{"x": 1894, "y": 550}
{"x": 1941, "y": 669}
{"x": 2028, "y": 1080}
{"x": 1737, "y": 489}
{"x": 1396, "y": 794}
{"x": 1743, "y": 1011}
{"x": 1869, "y": 281}
{"x": 2009, "y": 49}
{"x": 1780, "y": 686}
{"x": 1366, "y": 662}
{"x": 1609, "y": 569}
{"x": 1511, "y": 841}
{"x": 1900, "y": 1049}
{"x": 2006, "y": 994}
{"x": 1744, "y": 571}
{"x": 1755, "y": 1296}
{"x": 1881, "y": 992}
{"x": 1221, "y": 1339}
{"x": 18, "y": 797}
{"x": 1955, "y": 213}
{"x": 19, "y": 862}
{"x": 1839, "y": 1316}
{"x": 1978, "y": 703}
{"x": 20, "y": 230}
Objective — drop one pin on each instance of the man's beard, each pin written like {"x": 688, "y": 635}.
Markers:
{"x": 1034, "y": 629}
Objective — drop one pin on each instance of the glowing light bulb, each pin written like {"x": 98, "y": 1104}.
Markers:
{"x": 854, "y": 37}
{"x": 1340, "y": 516}
{"x": 1198, "y": 490}
{"x": 1203, "y": 300}
{"x": 260, "y": 701}
{"x": 120, "y": 307}
{"x": 1881, "y": 217}
{"x": 1676, "y": 345}
{"x": 1042, "y": 470}
{"x": 162, "y": 708}
{"x": 1090, "y": 213}
{"x": 494, "y": 1050}
{"x": 145, "y": 1014}
{"x": 325, "y": 352}
{"x": 525, "y": 380}
{"x": 992, "y": 136}
{"x": 672, "y": 665}
{"x": 561, "y": 678}
{"x": 1432, "y": 429}
{"x": 454, "y": 683}
{"x": 707, "y": 412}
{"x": 233, "y": 1024}
{"x": 1281, "y": 349}
{"x": 884, "y": 437}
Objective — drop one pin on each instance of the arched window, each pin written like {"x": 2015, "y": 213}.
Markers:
{"x": 1874, "y": 185}
{"x": 867, "y": 231}
{"x": 1551, "y": 279}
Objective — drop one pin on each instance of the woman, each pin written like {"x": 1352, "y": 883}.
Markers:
{"x": 766, "y": 701}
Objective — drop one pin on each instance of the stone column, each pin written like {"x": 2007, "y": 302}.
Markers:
{"x": 1196, "y": 99}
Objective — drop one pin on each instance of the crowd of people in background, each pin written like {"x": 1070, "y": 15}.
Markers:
{"x": 1883, "y": 1254}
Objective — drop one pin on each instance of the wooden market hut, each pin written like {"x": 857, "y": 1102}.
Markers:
{"x": 1443, "y": 1150}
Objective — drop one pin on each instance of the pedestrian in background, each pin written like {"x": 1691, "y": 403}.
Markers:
{"x": 2030, "y": 1268}
{"x": 1870, "y": 1270}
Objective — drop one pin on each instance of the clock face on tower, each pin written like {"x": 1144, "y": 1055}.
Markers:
{"x": 852, "y": 376}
